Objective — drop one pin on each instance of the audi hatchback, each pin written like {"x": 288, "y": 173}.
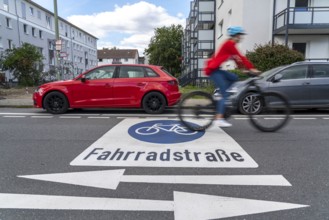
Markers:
{"x": 148, "y": 87}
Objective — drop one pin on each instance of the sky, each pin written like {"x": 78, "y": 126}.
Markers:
{"x": 124, "y": 24}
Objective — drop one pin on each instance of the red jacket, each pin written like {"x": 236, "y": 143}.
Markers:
{"x": 226, "y": 51}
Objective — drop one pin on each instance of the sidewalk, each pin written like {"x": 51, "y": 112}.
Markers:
{"x": 16, "y": 102}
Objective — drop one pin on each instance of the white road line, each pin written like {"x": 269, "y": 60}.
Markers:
{"x": 66, "y": 117}
{"x": 304, "y": 118}
{"x": 99, "y": 117}
{"x": 14, "y": 116}
{"x": 36, "y": 116}
{"x": 273, "y": 118}
{"x": 325, "y": 118}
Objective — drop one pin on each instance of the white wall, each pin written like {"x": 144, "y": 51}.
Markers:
{"x": 316, "y": 46}
{"x": 255, "y": 16}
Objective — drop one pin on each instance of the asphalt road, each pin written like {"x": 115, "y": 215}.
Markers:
{"x": 34, "y": 143}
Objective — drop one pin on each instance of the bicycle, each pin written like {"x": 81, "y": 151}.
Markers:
{"x": 156, "y": 128}
{"x": 197, "y": 109}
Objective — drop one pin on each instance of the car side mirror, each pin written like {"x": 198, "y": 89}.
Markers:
{"x": 277, "y": 77}
{"x": 83, "y": 78}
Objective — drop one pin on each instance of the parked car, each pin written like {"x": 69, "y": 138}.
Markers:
{"x": 305, "y": 84}
{"x": 148, "y": 87}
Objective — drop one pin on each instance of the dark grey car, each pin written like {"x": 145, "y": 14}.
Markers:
{"x": 305, "y": 84}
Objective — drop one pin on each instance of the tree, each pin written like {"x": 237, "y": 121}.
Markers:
{"x": 23, "y": 62}
{"x": 165, "y": 48}
{"x": 268, "y": 56}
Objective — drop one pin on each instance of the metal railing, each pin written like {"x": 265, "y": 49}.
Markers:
{"x": 301, "y": 16}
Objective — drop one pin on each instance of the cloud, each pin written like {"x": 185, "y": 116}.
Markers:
{"x": 138, "y": 21}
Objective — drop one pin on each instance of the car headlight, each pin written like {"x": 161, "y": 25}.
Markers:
{"x": 39, "y": 90}
{"x": 233, "y": 90}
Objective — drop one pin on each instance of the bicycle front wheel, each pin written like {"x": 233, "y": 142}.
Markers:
{"x": 275, "y": 112}
{"x": 197, "y": 110}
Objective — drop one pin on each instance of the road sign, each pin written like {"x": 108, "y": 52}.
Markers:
{"x": 164, "y": 143}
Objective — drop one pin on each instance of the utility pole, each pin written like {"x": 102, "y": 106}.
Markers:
{"x": 58, "y": 43}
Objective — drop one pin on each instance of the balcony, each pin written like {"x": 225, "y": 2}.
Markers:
{"x": 310, "y": 20}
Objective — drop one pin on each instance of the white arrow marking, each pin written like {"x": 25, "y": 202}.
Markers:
{"x": 197, "y": 206}
{"x": 110, "y": 179}
{"x": 185, "y": 205}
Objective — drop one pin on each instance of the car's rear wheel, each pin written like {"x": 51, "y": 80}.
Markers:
{"x": 250, "y": 104}
{"x": 55, "y": 103}
{"x": 154, "y": 103}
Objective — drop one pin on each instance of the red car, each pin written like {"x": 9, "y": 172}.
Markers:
{"x": 111, "y": 86}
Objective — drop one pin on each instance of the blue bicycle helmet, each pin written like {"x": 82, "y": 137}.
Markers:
{"x": 234, "y": 30}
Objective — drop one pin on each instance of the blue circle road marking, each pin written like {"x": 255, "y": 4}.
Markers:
{"x": 163, "y": 132}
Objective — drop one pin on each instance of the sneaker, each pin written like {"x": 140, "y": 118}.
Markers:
{"x": 222, "y": 123}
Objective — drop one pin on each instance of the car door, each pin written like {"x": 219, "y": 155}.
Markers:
{"x": 96, "y": 88}
{"x": 128, "y": 86}
{"x": 319, "y": 85}
{"x": 294, "y": 84}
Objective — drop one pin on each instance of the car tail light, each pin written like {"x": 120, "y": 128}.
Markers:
{"x": 172, "y": 82}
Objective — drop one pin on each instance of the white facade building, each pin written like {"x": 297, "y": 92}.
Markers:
{"x": 23, "y": 21}
{"x": 118, "y": 56}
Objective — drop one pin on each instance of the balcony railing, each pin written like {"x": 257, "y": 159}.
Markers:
{"x": 302, "y": 16}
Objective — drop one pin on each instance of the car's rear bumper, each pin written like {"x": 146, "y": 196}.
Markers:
{"x": 174, "y": 98}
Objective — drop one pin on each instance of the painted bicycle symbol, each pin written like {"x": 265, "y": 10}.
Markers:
{"x": 156, "y": 128}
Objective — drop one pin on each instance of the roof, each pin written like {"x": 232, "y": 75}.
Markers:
{"x": 117, "y": 53}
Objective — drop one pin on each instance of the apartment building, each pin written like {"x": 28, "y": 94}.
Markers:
{"x": 23, "y": 21}
{"x": 302, "y": 25}
{"x": 199, "y": 40}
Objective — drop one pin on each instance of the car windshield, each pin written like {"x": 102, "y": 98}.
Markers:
{"x": 270, "y": 72}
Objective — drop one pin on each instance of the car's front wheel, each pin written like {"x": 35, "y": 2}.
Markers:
{"x": 55, "y": 103}
{"x": 250, "y": 103}
{"x": 154, "y": 103}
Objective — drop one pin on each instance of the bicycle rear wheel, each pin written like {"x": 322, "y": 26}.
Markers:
{"x": 197, "y": 110}
{"x": 275, "y": 112}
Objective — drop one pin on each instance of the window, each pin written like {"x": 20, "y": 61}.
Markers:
{"x": 320, "y": 71}
{"x": 23, "y": 10}
{"x": 301, "y": 3}
{"x": 131, "y": 72}
{"x": 1, "y": 45}
{"x": 101, "y": 73}
{"x": 221, "y": 2}
{"x": 48, "y": 21}
{"x": 40, "y": 34}
{"x": 33, "y": 32}
{"x": 296, "y": 72}
{"x": 116, "y": 61}
{"x": 25, "y": 29}
{"x": 10, "y": 44}
{"x": 39, "y": 15}
{"x": 32, "y": 11}
{"x": 300, "y": 47}
{"x": 8, "y": 22}
{"x": 220, "y": 29}
{"x": 150, "y": 72}
{"x": 5, "y": 5}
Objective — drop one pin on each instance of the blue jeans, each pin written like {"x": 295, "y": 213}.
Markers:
{"x": 223, "y": 80}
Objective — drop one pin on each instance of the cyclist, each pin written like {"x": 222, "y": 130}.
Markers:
{"x": 222, "y": 78}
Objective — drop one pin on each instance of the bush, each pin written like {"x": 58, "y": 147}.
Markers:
{"x": 269, "y": 56}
